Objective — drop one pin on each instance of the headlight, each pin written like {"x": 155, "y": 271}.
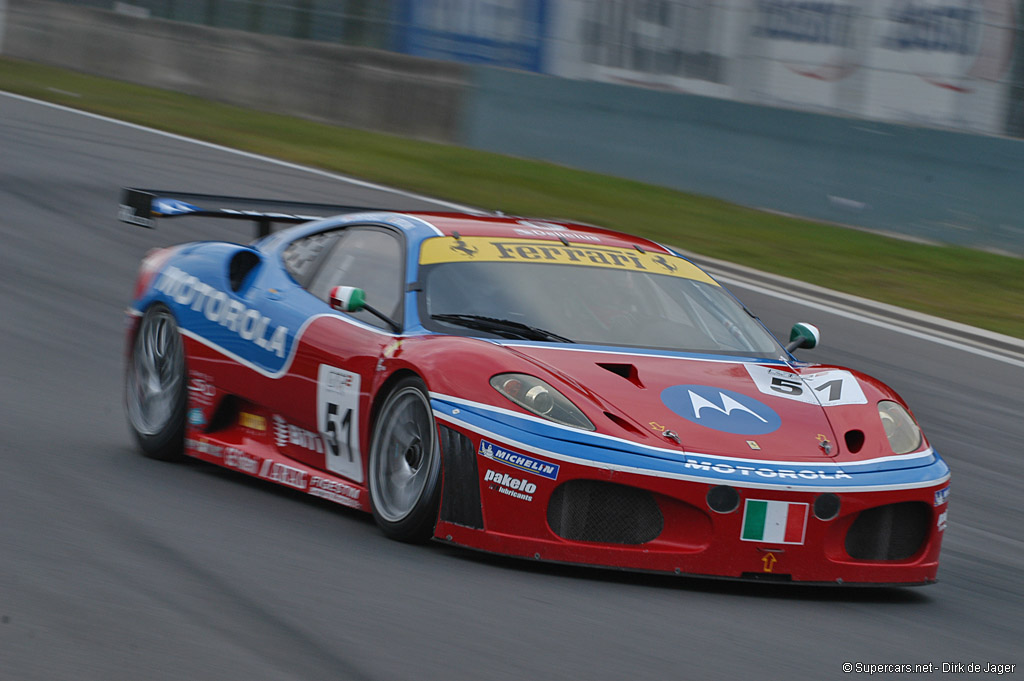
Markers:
{"x": 904, "y": 435}
{"x": 538, "y": 397}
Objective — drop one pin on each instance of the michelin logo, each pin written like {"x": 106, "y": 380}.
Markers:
{"x": 520, "y": 461}
{"x": 187, "y": 290}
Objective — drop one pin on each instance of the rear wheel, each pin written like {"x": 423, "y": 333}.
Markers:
{"x": 155, "y": 386}
{"x": 405, "y": 464}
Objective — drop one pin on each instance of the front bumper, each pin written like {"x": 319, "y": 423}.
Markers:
{"x": 510, "y": 492}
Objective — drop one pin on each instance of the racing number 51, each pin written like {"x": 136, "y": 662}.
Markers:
{"x": 336, "y": 425}
{"x": 337, "y": 415}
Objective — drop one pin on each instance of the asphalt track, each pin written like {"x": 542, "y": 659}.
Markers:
{"x": 113, "y": 566}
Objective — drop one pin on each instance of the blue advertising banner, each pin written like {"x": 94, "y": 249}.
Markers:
{"x": 506, "y": 33}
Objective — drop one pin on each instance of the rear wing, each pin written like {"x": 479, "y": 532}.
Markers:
{"x": 142, "y": 207}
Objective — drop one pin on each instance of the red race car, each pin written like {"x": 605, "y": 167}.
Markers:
{"x": 538, "y": 389}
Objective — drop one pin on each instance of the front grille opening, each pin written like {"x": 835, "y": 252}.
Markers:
{"x": 595, "y": 511}
{"x": 891, "y": 532}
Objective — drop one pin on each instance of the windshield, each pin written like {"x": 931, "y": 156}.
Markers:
{"x": 625, "y": 304}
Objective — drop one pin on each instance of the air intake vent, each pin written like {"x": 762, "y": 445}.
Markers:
{"x": 460, "y": 496}
{"x": 892, "y": 532}
{"x": 627, "y": 371}
{"x": 590, "y": 510}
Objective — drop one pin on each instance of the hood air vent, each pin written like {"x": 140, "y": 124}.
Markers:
{"x": 627, "y": 371}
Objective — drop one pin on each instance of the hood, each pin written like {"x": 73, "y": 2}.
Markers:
{"x": 714, "y": 405}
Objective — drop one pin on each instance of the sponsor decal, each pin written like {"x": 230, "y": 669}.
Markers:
{"x": 518, "y": 488}
{"x": 392, "y": 348}
{"x": 753, "y": 445}
{"x": 196, "y": 417}
{"x": 324, "y": 488}
{"x": 126, "y": 213}
{"x": 555, "y": 231}
{"x": 334, "y": 490}
{"x": 487, "y": 249}
{"x": 249, "y": 324}
{"x": 205, "y": 447}
{"x": 520, "y": 461}
{"x": 252, "y": 421}
{"x": 285, "y": 433}
{"x": 941, "y": 522}
{"x": 766, "y": 472}
{"x": 284, "y": 474}
{"x": 164, "y": 206}
{"x": 200, "y": 388}
{"x": 236, "y": 458}
{"x": 941, "y": 496}
{"x": 722, "y": 410}
{"x": 774, "y": 522}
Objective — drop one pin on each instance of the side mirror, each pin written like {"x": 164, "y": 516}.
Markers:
{"x": 348, "y": 299}
{"x": 352, "y": 299}
{"x": 803, "y": 335}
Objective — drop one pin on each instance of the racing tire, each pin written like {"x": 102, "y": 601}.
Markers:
{"x": 155, "y": 386}
{"x": 405, "y": 464}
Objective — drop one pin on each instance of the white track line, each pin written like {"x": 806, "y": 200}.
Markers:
{"x": 858, "y": 316}
{"x": 246, "y": 154}
{"x": 841, "y": 311}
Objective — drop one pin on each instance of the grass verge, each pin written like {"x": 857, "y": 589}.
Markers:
{"x": 973, "y": 287}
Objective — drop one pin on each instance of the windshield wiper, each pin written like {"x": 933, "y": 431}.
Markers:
{"x": 503, "y": 327}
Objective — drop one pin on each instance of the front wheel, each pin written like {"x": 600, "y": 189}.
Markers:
{"x": 155, "y": 386}
{"x": 405, "y": 464}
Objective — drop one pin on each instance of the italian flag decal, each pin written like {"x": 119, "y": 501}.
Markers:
{"x": 774, "y": 522}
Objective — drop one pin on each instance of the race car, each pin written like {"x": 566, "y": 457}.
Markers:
{"x": 533, "y": 388}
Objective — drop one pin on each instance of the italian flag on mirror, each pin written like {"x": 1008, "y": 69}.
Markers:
{"x": 774, "y": 522}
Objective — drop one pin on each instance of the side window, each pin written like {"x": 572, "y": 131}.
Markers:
{"x": 303, "y": 255}
{"x": 368, "y": 258}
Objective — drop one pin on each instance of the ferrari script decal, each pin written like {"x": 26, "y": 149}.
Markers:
{"x": 486, "y": 249}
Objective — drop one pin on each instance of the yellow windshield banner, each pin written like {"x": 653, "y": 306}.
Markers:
{"x": 490, "y": 249}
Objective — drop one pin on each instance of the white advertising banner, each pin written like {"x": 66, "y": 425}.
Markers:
{"x": 941, "y": 62}
{"x": 932, "y": 62}
{"x": 674, "y": 45}
{"x": 805, "y": 54}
